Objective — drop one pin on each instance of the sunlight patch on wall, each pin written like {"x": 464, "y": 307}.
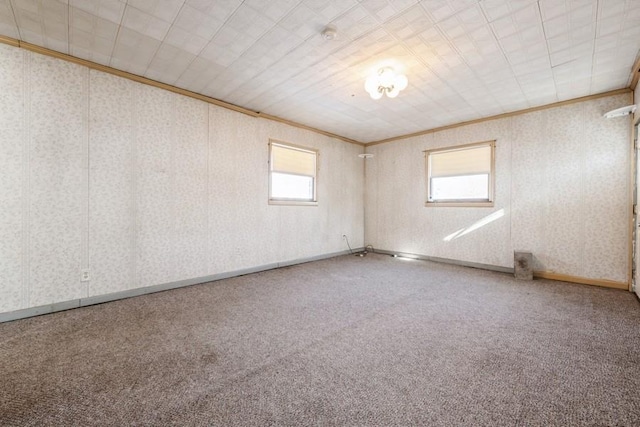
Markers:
{"x": 478, "y": 224}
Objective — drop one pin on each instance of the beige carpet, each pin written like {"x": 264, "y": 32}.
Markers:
{"x": 346, "y": 341}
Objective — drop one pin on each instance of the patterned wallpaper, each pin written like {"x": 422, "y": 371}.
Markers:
{"x": 561, "y": 192}
{"x": 636, "y": 119}
{"x": 13, "y": 178}
{"x": 142, "y": 186}
{"x": 636, "y": 98}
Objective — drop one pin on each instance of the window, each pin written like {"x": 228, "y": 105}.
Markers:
{"x": 292, "y": 174}
{"x": 461, "y": 176}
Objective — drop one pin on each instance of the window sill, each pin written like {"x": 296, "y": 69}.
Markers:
{"x": 459, "y": 204}
{"x": 292, "y": 203}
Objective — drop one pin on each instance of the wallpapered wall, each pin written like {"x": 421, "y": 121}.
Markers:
{"x": 636, "y": 98}
{"x": 561, "y": 192}
{"x": 142, "y": 186}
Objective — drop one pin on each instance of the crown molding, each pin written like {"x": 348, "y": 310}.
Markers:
{"x": 136, "y": 78}
{"x": 635, "y": 76}
{"x": 502, "y": 116}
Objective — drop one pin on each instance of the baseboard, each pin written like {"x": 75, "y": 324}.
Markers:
{"x": 99, "y": 299}
{"x": 537, "y": 274}
{"x": 448, "y": 261}
{"x": 581, "y": 280}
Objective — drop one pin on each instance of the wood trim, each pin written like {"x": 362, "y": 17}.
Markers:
{"x": 492, "y": 179}
{"x": 538, "y": 274}
{"x": 136, "y": 78}
{"x": 489, "y": 267}
{"x": 9, "y": 41}
{"x": 99, "y": 67}
{"x": 502, "y": 116}
{"x": 459, "y": 204}
{"x": 291, "y": 203}
{"x": 461, "y": 147}
{"x": 310, "y": 150}
{"x": 581, "y": 280}
{"x": 635, "y": 74}
{"x": 312, "y": 129}
{"x": 286, "y": 144}
{"x": 632, "y": 195}
{"x": 99, "y": 299}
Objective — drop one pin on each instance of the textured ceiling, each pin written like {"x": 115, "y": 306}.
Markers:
{"x": 465, "y": 59}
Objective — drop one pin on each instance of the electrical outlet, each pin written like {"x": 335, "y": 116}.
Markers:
{"x": 85, "y": 276}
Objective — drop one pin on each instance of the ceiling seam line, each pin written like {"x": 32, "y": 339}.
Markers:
{"x": 593, "y": 50}
{"x": 170, "y": 88}
{"x": 211, "y": 39}
{"x": 378, "y": 26}
{"x": 546, "y": 40}
{"x": 15, "y": 19}
{"x": 115, "y": 39}
{"x": 155, "y": 54}
{"x": 502, "y": 52}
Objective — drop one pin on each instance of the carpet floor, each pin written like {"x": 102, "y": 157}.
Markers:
{"x": 373, "y": 341}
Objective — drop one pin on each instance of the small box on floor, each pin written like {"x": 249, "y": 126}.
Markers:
{"x": 523, "y": 265}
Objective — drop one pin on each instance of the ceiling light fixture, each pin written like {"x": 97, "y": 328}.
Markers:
{"x": 365, "y": 155}
{"x": 385, "y": 81}
{"x": 330, "y": 32}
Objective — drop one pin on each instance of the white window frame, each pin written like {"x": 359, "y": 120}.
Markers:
{"x": 293, "y": 201}
{"x": 489, "y": 202}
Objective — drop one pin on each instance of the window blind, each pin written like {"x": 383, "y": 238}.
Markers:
{"x": 292, "y": 161}
{"x": 467, "y": 161}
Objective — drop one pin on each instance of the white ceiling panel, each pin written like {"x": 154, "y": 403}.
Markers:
{"x": 330, "y": 9}
{"x": 165, "y": 10}
{"x": 43, "y": 22}
{"x": 185, "y": 40}
{"x": 199, "y": 75}
{"x": 439, "y": 10}
{"x": 8, "y": 26}
{"x": 133, "y": 51}
{"x": 465, "y": 59}
{"x": 145, "y": 23}
{"x": 198, "y": 24}
{"x": 91, "y": 37}
{"x": 169, "y": 63}
{"x": 28, "y": 20}
{"x": 274, "y": 10}
{"x": 250, "y": 22}
{"x": 111, "y": 10}
{"x": 92, "y": 24}
{"x": 495, "y": 9}
{"x": 381, "y": 9}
